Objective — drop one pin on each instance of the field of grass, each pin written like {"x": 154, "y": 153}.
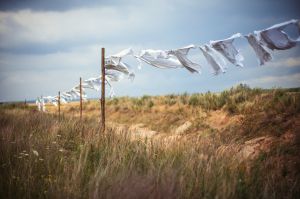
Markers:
{"x": 240, "y": 143}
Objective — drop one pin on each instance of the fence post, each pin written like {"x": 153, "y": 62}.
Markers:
{"x": 80, "y": 99}
{"x": 103, "y": 90}
{"x": 58, "y": 105}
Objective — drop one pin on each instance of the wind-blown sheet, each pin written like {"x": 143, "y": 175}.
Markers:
{"x": 228, "y": 50}
{"x": 213, "y": 59}
{"x": 276, "y": 38}
{"x": 262, "y": 54}
{"x": 181, "y": 54}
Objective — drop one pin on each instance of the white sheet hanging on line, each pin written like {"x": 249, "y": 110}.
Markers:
{"x": 181, "y": 54}
{"x": 114, "y": 63}
{"x": 216, "y": 62}
{"x": 262, "y": 54}
{"x": 158, "y": 58}
{"x": 50, "y": 99}
{"x": 113, "y": 76}
{"x": 74, "y": 92}
{"x": 43, "y": 105}
{"x": 62, "y": 100}
{"x": 65, "y": 95}
{"x": 228, "y": 50}
{"x": 38, "y": 104}
{"x": 276, "y": 38}
{"x": 92, "y": 83}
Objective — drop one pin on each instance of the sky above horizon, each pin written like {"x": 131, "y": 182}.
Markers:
{"x": 45, "y": 46}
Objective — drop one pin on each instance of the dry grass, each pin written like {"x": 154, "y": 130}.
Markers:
{"x": 41, "y": 158}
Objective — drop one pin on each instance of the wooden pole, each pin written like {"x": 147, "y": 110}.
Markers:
{"x": 80, "y": 99}
{"x": 103, "y": 91}
{"x": 58, "y": 105}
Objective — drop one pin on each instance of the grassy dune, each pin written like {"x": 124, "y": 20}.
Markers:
{"x": 241, "y": 143}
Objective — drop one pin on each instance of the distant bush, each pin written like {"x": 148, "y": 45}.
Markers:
{"x": 194, "y": 100}
{"x": 73, "y": 108}
{"x": 229, "y": 99}
{"x": 145, "y": 98}
{"x": 184, "y": 98}
{"x": 13, "y": 105}
{"x": 150, "y": 104}
{"x": 170, "y": 100}
{"x": 231, "y": 107}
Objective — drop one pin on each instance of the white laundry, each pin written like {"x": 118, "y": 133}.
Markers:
{"x": 114, "y": 63}
{"x": 114, "y": 76}
{"x": 159, "y": 59}
{"x": 63, "y": 100}
{"x": 123, "y": 53}
{"x": 276, "y": 38}
{"x": 121, "y": 67}
{"x": 262, "y": 54}
{"x": 92, "y": 83}
{"x": 49, "y": 99}
{"x": 66, "y": 96}
{"x": 38, "y": 103}
{"x": 74, "y": 92}
{"x": 111, "y": 92}
{"x": 228, "y": 50}
{"x": 181, "y": 55}
{"x": 43, "y": 107}
{"x": 95, "y": 83}
{"x": 216, "y": 62}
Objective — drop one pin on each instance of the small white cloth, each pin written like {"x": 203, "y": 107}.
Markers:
{"x": 262, "y": 54}
{"x": 181, "y": 54}
{"x": 92, "y": 83}
{"x": 38, "y": 104}
{"x": 43, "y": 107}
{"x": 114, "y": 63}
{"x": 95, "y": 83}
{"x": 74, "y": 92}
{"x": 158, "y": 58}
{"x": 51, "y": 99}
{"x": 276, "y": 38}
{"x": 228, "y": 50}
{"x": 67, "y": 97}
{"x": 216, "y": 62}
{"x": 113, "y": 76}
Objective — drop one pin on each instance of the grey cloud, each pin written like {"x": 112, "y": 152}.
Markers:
{"x": 53, "y": 5}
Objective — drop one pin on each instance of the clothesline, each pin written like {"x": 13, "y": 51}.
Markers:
{"x": 215, "y": 52}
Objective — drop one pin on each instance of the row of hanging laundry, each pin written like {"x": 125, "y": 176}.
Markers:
{"x": 115, "y": 70}
{"x": 216, "y": 52}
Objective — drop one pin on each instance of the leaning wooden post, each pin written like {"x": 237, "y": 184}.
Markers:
{"x": 58, "y": 105}
{"x": 103, "y": 90}
{"x": 80, "y": 85}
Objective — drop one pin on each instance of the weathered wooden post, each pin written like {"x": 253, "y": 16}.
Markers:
{"x": 80, "y": 85}
{"x": 103, "y": 90}
{"x": 58, "y": 105}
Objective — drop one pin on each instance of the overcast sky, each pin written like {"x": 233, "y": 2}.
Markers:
{"x": 47, "y": 45}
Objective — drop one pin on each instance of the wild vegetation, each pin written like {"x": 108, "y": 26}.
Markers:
{"x": 240, "y": 143}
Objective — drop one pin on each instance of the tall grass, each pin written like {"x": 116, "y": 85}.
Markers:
{"x": 41, "y": 158}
